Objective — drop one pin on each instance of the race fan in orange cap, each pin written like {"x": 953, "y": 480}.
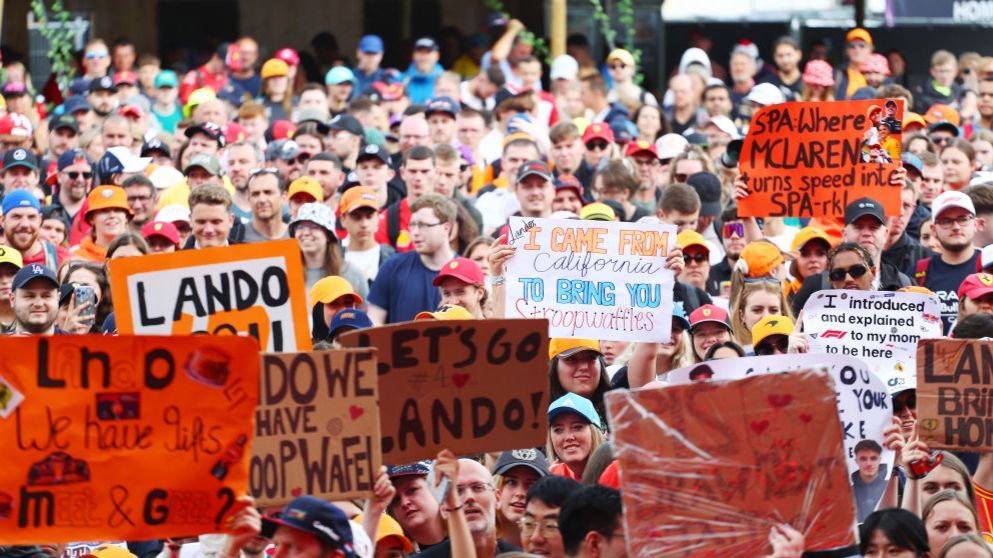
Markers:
{"x": 858, "y": 47}
{"x": 810, "y": 249}
{"x": 108, "y": 213}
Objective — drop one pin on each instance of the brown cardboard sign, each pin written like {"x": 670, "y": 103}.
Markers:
{"x": 467, "y": 385}
{"x": 316, "y": 427}
{"x": 725, "y": 461}
{"x": 954, "y": 403}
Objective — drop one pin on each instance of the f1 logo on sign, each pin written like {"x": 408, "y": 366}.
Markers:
{"x": 833, "y": 334}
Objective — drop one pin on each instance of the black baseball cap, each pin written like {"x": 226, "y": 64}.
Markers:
{"x": 708, "y": 187}
{"x": 209, "y": 129}
{"x": 63, "y": 121}
{"x": 316, "y": 517}
{"x": 20, "y": 157}
{"x": 416, "y": 468}
{"x": 530, "y": 458}
{"x": 862, "y": 207}
{"x": 155, "y": 144}
{"x": 106, "y": 83}
{"x": 537, "y": 168}
{"x": 348, "y": 123}
{"x": 34, "y": 271}
{"x": 373, "y": 151}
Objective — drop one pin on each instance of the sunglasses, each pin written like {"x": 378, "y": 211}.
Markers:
{"x": 941, "y": 140}
{"x": 97, "y": 54}
{"x": 900, "y": 404}
{"x": 732, "y": 229}
{"x": 856, "y": 271}
{"x": 699, "y": 257}
{"x": 73, "y": 175}
{"x": 781, "y": 343}
{"x": 597, "y": 145}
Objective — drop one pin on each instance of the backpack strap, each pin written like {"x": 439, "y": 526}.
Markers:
{"x": 920, "y": 271}
{"x": 51, "y": 256}
{"x": 393, "y": 223}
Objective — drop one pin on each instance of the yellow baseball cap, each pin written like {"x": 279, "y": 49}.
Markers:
{"x": 111, "y": 551}
{"x": 332, "y": 288}
{"x": 597, "y": 212}
{"x": 807, "y": 234}
{"x": 689, "y": 238}
{"x": 622, "y": 55}
{"x": 388, "y": 527}
{"x": 449, "y": 312}
{"x": 561, "y": 347}
{"x": 771, "y": 325}
{"x": 306, "y": 185}
{"x": 915, "y": 289}
{"x": 858, "y": 34}
{"x": 11, "y": 256}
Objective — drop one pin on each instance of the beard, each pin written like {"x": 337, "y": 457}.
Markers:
{"x": 20, "y": 239}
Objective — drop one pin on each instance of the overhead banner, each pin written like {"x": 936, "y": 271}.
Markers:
{"x": 123, "y": 438}
{"x": 954, "y": 404}
{"x": 244, "y": 289}
{"x": 592, "y": 279}
{"x": 724, "y": 462}
{"x": 317, "y": 427}
{"x": 812, "y": 159}
{"x": 471, "y": 386}
{"x": 880, "y": 328}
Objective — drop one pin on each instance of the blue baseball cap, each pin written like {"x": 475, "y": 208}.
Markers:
{"x": 416, "y": 468}
{"x": 71, "y": 157}
{"x": 75, "y": 104}
{"x": 350, "y": 318}
{"x": 20, "y": 198}
{"x": 338, "y": 75}
{"x": 446, "y": 105}
{"x": 679, "y": 315}
{"x": 318, "y": 518}
{"x": 371, "y": 44}
{"x": 912, "y": 162}
{"x": 576, "y": 404}
{"x": 34, "y": 271}
{"x": 79, "y": 86}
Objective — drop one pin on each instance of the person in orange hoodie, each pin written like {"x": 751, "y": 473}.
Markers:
{"x": 108, "y": 213}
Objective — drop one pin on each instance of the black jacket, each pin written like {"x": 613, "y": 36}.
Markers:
{"x": 905, "y": 252}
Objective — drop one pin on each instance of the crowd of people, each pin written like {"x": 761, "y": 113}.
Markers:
{"x": 398, "y": 186}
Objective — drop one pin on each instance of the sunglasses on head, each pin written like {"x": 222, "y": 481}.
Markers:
{"x": 733, "y": 229}
{"x": 771, "y": 345}
{"x": 856, "y": 271}
{"x": 699, "y": 257}
{"x": 597, "y": 145}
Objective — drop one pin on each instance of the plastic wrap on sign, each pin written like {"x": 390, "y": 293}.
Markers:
{"x": 722, "y": 462}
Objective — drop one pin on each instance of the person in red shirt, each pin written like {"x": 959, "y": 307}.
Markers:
{"x": 574, "y": 432}
{"x": 213, "y": 74}
{"x": 418, "y": 172}
{"x": 21, "y": 225}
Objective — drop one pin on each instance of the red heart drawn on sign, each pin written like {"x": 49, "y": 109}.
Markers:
{"x": 759, "y": 426}
{"x": 296, "y": 492}
{"x": 355, "y": 411}
{"x": 780, "y": 400}
{"x": 805, "y": 417}
{"x": 460, "y": 379}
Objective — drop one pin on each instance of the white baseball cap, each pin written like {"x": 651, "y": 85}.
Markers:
{"x": 564, "y": 67}
{"x": 164, "y": 177}
{"x": 130, "y": 161}
{"x": 950, "y": 199}
{"x": 725, "y": 125}
{"x": 765, "y": 94}
{"x": 173, "y": 213}
{"x": 670, "y": 145}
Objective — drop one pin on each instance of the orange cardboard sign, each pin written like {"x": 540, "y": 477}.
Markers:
{"x": 317, "y": 426}
{"x": 249, "y": 289}
{"x": 723, "y": 462}
{"x": 123, "y": 438}
{"x": 470, "y": 386}
{"x": 954, "y": 403}
{"x": 812, "y": 159}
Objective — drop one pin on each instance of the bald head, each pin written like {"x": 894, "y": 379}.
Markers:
{"x": 414, "y": 131}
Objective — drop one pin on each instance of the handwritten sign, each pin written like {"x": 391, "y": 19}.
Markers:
{"x": 592, "y": 279}
{"x": 812, "y": 159}
{"x": 317, "y": 426}
{"x": 723, "y": 462}
{"x": 467, "y": 385}
{"x": 954, "y": 404}
{"x": 880, "y": 328}
{"x": 862, "y": 396}
{"x": 124, "y": 438}
{"x": 254, "y": 289}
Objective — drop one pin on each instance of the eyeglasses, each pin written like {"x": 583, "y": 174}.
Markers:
{"x": 856, "y": 271}
{"x": 941, "y": 140}
{"x": 264, "y": 170}
{"x": 414, "y": 225}
{"x": 73, "y": 175}
{"x": 909, "y": 402}
{"x": 132, "y": 199}
{"x": 948, "y": 222}
{"x": 597, "y": 145}
{"x": 733, "y": 229}
{"x": 699, "y": 257}
{"x": 771, "y": 345}
{"x": 476, "y": 488}
{"x": 548, "y": 529}
{"x": 300, "y": 159}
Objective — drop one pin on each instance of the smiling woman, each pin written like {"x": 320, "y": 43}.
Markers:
{"x": 574, "y": 433}
{"x": 577, "y": 366}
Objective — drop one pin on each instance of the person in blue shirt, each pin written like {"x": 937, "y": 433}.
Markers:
{"x": 423, "y": 71}
{"x": 404, "y": 285}
{"x": 367, "y": 70}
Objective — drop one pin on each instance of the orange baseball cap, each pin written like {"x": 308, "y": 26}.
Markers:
{"x": 913, "y": 118}
{"x": 807, "y": 234}
{"x": 356, "y": 197}
{"x": 306, "y": 185}
{"x": 762, "y": 257}
{"x": 562, "y": 347}
{"x": 107, "y": 197}
{"x": 942, "y": 113}
{"x": 858, "y": 34}
{"x": 449, "y": 312}
{"x": 332, "y": 288}
{"x": 388, "y": 527}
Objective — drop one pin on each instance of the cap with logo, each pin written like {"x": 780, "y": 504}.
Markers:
{"x": 71, "y": 157}
{"x": 359, "y": 196}
{"x": 535, "y": 168}
{"x": 339, "y": 75}
{"x": 64, "y": 122}
{"x": 808, "y": 234}
{"x": 373, "y": 151}
{"x": 388, "y": 91}
{"x": 34, "y": 271}
{"x": 331, "y": 288}
{"x": 419, "y": 468}
{"x": 11, "y": 256}
{"x": 447, "y": 312}
{"x": 442, "y": 105}
{"x": 598, "y": 130}
{"x": 289, "y": 56}
{"x": 107, "y": 197}
{"x": 16, "y": 125}
{"x": 463, "y": 269}
{"x": 318, "y": 214}
{"x": 597, "y": 211}
{"x": 306, "y": 186}
{"x": 20, "y": 198}
{"x": 759, "y": 259}
{"x": 862, "y": 207}
{"x": 566, "y": 347}
{"x": 577, "y": 405}
{"x": 209, "y": 129}
{"x": 105, "y": 83}
{"x": 204, "y": 161}
{"x": 20, "y": 157}
{"x": 950, "y": 199}
{"x": 318, "y": 518}
{"x": 120, "y": 159}
{"x": 156, "y": 145}
{"x": 771, "y": 325}
{"x": 641, "y": 147}
{"x": 709, "y": 313}
{"x": 165, "y": 229}
{"x": 975, "y": 286}
{"x": 351, "y": 318}
{"x": 530, "y": 458}
{"x": 347, "y": 123}
{"x": 109, "y": 551}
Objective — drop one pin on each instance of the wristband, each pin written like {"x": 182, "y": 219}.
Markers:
{"x": 497, "y": 280}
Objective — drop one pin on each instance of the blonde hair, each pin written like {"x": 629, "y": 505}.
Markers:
{"x": 741, "y": 331}
{"x": 595, "y": 434}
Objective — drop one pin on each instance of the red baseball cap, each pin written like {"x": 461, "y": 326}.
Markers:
{"x": 282, "y": 129}
{"x": 709, "y": 313}
{"x": 598, "y": 130}
{"x": 976, "y": 286}
{"x": 164, "y": 229}
{"x": 463, "y": 269}
{"x": 637, "y": 147}
{"x": 233, "y": 132}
